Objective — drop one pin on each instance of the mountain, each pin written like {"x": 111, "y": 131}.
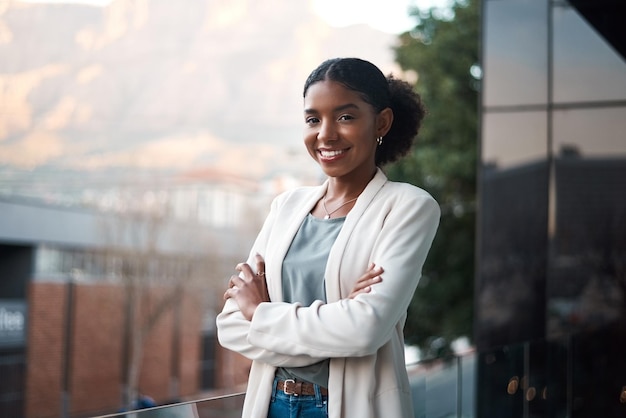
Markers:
{"x": 163, "y": 85}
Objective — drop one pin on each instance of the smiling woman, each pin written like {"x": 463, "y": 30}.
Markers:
{"x": 310, "y": 307}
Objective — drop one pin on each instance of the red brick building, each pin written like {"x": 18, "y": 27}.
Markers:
{"x": 74, "y": 305}
{"x": 88, "y": 361}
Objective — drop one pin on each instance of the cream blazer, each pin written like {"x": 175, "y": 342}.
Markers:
{"x": 391, "y": 224}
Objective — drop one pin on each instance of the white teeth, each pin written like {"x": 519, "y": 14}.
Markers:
{"x": 328, "y": 154}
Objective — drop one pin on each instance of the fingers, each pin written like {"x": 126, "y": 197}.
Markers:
{"x": 247, "y": 276}
{"x": 247, "y": 289}
{"x": 365, "y": 282}
{"x": 365, "y": 286}
{"x": 260, "y": 265}
{"x": 234, "y": 284}
{"x": 374, "y": 271}
{"x": 245, "y": 269}
{"x": 235, "y": 281}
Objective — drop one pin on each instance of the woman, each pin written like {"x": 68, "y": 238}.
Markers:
{"x": 312, "y": 307}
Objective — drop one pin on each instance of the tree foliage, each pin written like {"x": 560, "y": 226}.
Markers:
{"x": 443, "y": 51}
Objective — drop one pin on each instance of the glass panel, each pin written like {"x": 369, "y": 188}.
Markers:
{"x": 501, "y": 381}
{"x": 535, "y": 386}
{"x": 515, "y": 52}
{"x": 586, "y": 67}
{"x": 590, "y": 133}
{"x": 586, "y": 283}
{"x": 444, "y": 387}
{"x": 598, "y": 373}
{"x": 468, "y": 385}
{"x": 555, "y": 392}
{"x": 218, "y": 407}
{"x": 514, "y": 139}
{"x": 513, "y": 228}
{"x": 441, "y": 390}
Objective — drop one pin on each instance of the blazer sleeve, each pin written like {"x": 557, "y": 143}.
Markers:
{"x": 233, "y": 328}
{"x": 360, "y": 326}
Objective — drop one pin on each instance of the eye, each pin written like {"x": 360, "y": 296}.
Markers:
{"x": 346, "y": 117}
{"x": 311, "y": 120}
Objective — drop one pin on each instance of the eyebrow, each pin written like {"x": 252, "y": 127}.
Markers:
{"x": 335, "y": 110}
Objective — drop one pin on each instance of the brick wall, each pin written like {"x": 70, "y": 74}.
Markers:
{"x": 98, "y": 350}
{"x": 97, "y": 347}
{"x": 190, "y": 344}
{"x": 45, "y": 350}
{"x": 156, "y": 365}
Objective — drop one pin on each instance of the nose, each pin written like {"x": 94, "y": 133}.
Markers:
{"x": 327, "y": 131}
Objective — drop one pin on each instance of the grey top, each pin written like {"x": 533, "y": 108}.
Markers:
{"x": 303, "y": 281}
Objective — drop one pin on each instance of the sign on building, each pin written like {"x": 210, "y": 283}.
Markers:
{"x": 12, "y": 323}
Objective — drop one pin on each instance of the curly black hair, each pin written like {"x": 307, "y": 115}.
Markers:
{"x": 381, "y": 92}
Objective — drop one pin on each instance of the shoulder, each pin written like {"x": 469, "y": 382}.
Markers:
{"x": 405, "y": 192}
{"x": 398, "y": 200}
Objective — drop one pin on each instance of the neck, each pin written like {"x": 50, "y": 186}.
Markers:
{"x": 345, "y": 189}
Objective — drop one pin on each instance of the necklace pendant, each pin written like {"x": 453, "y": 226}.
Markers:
{"x": 327, "y": 217}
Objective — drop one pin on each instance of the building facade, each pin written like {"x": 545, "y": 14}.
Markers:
{"x": 550, "y": 296}
{"x": 81, "y": 290}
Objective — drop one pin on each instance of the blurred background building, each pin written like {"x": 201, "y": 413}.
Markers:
{"x": 550, "y": 302}
{"x": 101, "y": 304}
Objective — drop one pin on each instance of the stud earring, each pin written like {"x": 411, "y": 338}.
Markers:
{"x": 379, "y": 140}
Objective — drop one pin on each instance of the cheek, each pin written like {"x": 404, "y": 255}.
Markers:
{"x": 309, "y": 141}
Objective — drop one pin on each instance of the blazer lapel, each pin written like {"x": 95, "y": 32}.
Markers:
{"x": 293, "y": 219}
{"x": 333, "y": 288}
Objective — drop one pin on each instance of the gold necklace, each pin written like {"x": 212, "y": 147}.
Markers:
{"x": 335, "y": 210}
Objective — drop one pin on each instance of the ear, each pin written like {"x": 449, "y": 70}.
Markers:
{"x": 384, "y": 119}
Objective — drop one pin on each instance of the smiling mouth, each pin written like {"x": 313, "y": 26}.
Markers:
{"x": 331, "y": 154}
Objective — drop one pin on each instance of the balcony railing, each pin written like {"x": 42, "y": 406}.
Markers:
{"x": 440, "y": 388}
{"x": 228, "y": 406}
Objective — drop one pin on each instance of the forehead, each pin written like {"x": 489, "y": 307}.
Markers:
{"x": 323, "y": 94}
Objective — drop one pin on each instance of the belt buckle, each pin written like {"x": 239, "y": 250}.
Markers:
{"x": 287, "y": 389}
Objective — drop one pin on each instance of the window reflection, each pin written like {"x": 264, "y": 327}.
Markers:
{"x": 584, "y": 289}
{"x": 515, "y": 46}
{"x": 552, "y": 220}
{"x": 514, "y": 139}
{"x": 596, "y": 132}
{"x": 586, "y": 67}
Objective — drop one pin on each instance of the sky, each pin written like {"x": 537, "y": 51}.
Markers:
{"x": 388, "y": 16}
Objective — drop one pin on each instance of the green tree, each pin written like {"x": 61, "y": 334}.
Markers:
{"x": 443, "y": 51}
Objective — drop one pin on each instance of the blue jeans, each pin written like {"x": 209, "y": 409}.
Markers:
{"x": 292, "y": 406}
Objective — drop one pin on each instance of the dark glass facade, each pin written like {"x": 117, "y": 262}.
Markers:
{"x": 550, "y": 322}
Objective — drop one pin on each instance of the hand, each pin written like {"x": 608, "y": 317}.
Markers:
{"x": 248, "y": 289}
{"x": 365, "y": 282}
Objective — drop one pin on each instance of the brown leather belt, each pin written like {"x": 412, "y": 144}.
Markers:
{"x": 291, "y": 387}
